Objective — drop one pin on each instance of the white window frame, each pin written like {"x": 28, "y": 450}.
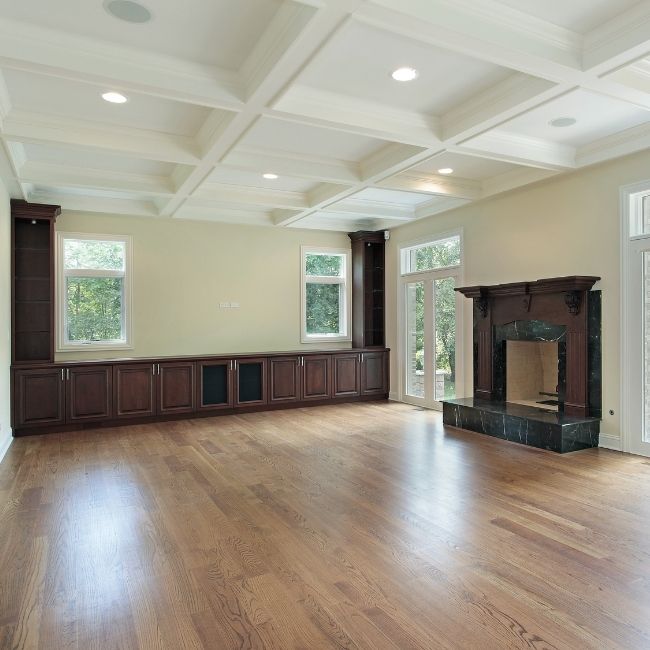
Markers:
{"x": 62, "y": 273}
{"x": 403, "y": 278}
{"x": 631, "y": 403}
{"x": 345, "y": 305}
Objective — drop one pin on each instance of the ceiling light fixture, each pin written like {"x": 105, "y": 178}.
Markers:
{"x": 114, "y": 98}
{"x": 405, "y": 74}
{"x": 446, "y": 170}
{"x": 563, "y": 122}
{"x": 128, "y": 11}
{"x": 269, "y": 176}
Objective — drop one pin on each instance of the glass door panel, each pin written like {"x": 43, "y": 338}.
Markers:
{"x": 444, "y": 337}
{"x": 415, "y": 339}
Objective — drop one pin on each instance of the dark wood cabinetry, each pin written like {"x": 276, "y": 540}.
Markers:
{"x": 39, "y": 397}
{"x": 284, "y": 384}
{"x": 55, "y": 397}
{"x": 368, "y": 279}
{"x": 134, "y": 390}
{"x": 215, "y": 384}
{"x": 32, "y": 273}
{"x": 316, "y": 377}
{"x": 250, "y": 381}
{"x": 175, "y": 386}
{"x": 346, "y": 380}
{"x": 374, "y": 373}
{"x": 89, "y": 393}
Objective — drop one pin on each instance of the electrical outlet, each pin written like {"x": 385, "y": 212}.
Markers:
{"x": 224, "y": 305}
{"x": 234, "y": 305}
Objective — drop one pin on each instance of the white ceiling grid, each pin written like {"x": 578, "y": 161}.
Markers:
{"x": 221, "y": 92}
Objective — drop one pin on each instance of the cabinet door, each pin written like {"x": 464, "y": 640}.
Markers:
{"x": 373, "y": 373}
{"x": 39, "y": 397}
{"x": 284, "y": 385}
{"x": 316, "y": 377}
{"x": 89, "y": 393}
{"x": 346, "y": 374}
{"x": 133, "y": 390}
{"x": 250, "y": 381}
{"x": 176, "y": 387}
{"x": 215, "y": 386}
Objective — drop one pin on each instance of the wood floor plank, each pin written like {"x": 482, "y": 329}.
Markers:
{"x": 363, "y": 526}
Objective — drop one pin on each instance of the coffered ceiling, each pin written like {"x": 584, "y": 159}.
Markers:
{"x": 221, "y": 92}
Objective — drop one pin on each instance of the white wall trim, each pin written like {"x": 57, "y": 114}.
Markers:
{"x": 608, "y": 441}
{"x": 4, "y": 448}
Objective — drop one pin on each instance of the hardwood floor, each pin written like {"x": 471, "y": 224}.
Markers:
{"x": 352, "y": 526}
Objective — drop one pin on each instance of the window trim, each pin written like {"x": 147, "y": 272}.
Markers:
{"x": 346, "y": 303}
{"x": 61, "y": 344}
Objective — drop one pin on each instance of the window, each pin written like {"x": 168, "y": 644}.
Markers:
{"x": 325, "y": 294}
{"x": 94, "y": 291}
{"x": 440, "y": 254}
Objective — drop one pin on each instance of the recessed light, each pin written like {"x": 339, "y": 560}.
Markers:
{"x": 114, "y": 98}
{"x": 563, "y": 122}
{"x": 270, "y": 177}
{"x": 405, "y": 74}
{"x": 127, "y": 10}
{"x": 446, "y": 170}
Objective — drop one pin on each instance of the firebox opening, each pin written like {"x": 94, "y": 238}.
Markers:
{"x": 532, "y": 374}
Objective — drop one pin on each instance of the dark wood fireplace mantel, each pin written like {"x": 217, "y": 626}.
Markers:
{"x": 558, "y": 301}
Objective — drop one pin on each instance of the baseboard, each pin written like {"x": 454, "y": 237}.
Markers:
{"x": 607, "y": 441}
{"x": 5, "y": 445}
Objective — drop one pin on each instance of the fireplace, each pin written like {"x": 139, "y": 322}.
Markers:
{"x": 532, "y": 374}
{"x": 537, "y": 364}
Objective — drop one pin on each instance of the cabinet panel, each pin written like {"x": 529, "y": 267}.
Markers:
{"x": 345, "y": 374}
{"x": 133, "y": 392}
{"x": 176, "y": 387}
{"x": 284, "y": 385}
{"x": 250, "y": 381}
{"x": 316, "y": 377}
{"x": 39, "y": 397}
{"x": 215, "y": 386}
{"x": 89, "y": 393}
{"x": 373, "y": 373}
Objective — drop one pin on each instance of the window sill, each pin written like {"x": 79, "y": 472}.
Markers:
{"x": 326, "y": 339}
{"x": 93, "y": 346}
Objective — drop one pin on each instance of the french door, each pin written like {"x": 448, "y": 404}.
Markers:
{"x": 432, "y": 364}
{"x": 637, "y": 342}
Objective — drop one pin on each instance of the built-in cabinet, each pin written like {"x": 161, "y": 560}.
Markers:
{"x": 91, "y": 393}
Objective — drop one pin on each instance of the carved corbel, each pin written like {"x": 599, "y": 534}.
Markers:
{"x": 573, "y": 300}
{"x": 483, "y": 305}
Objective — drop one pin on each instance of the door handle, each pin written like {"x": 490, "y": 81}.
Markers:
{"x": 67, "y": 374}
{"x": 153, "y": 368}
{"x": 61, "y": 374}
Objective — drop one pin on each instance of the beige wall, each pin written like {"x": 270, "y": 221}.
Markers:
{"x": 564, "y": 226}
{"x": 5, "y": 320}
{"x": 184, "y": 269}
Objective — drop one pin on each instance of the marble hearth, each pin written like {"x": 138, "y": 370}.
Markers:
{"x": 537, "y": 364}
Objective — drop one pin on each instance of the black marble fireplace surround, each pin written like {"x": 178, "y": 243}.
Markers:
{"x": 560, "y": 310}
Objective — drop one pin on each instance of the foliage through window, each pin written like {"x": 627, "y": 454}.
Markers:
{"x": 93, "y": 290}
{"x": 325, "y": 294}
{"x": 429, "y": 257}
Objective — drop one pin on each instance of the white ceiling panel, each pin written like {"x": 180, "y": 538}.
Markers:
{"x": 284, "y": 136}
{"x": 578, "y": 15}
{"x": 230, "y": 176}
{"x": 81, "y": 158}
{"x": 212, "y": 32}
{"x": 392, "y": 196}
{"x": 596, "y": 117}
{"x": 359, "y": 61}
{"x": 72, "y": 99}
{"x": 464, "y": 166}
